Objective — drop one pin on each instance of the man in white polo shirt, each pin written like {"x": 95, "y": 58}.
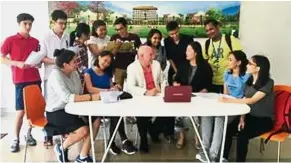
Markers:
{"x": 54, "y": 39}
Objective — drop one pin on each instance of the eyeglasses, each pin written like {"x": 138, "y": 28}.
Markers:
{"x": 119, "y": 29}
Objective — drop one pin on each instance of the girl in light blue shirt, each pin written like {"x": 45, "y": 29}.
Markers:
{"x": 235, "y": 77}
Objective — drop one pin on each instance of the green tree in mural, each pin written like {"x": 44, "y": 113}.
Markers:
{"x": 215, "y": 14}
{"x": 97, "y": 7}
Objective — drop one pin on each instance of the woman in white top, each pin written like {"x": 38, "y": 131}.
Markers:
{"x": 64, "y": 86}
{"x": 98, "y": 40}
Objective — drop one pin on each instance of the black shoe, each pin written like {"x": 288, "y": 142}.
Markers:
{"x": 156, "y": 139}
{"x": 30, "y": 140}
{"x": 15, "y": 146}
{"x": 128, "y": 148}
{"x": 87, "y": 159}
{"x": 114, "y": 149}
{"x": 144, "y": 149}
{"x": 59, "y": 153}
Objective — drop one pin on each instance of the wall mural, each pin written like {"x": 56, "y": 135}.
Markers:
{"x": 144, "y": 15}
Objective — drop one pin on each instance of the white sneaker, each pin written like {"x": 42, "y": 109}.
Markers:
{"x": 201, "y": 156}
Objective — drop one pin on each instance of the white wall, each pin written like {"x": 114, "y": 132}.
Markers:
{"x": 9, "y": 26}
{"x": 265, "y": 28}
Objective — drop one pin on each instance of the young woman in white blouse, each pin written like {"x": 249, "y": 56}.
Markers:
{"x": 98, "y": 40}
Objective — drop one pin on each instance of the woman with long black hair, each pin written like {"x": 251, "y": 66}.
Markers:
{"x": 259, "y": 95}
{"x": 77, "y": 40}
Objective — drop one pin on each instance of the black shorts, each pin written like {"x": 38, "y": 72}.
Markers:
{"x": 60, "y": 122}
{"x": 19, "y": 103}
{"x": 86, "y": 119}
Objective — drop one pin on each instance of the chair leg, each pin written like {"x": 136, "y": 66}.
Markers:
{"x": 28, "y": 132}
{"x": 279, "y": 149}
{"x": 136, "y": 137}
{"x": 61, "y": 137}
{"x": 125, "y": 125}
{"x": 104, "y": 132}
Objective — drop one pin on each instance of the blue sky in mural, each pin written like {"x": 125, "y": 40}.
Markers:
{"x": 166, "y": 7}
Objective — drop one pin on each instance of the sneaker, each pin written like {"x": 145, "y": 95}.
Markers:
{"x": 114, "y": 149}
{"x": 201, "y": 156}
{"x": 30, "y": 140}
{"x": 128, "y": 148}
{"x": 224, "y": 160}
{"x": 15, "y": 146}
{"x": 59, "y": 153}
{"x": 87, "y": 159}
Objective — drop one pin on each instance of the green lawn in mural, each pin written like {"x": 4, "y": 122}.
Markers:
{"x": 143, "y": 15}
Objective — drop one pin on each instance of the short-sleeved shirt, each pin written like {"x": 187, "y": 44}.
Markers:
{"x": 177, "y": 52}
{"x": 123, "y": 59}
{"x": 48, "y": 45}
{"x": 100, "y": 42}
{"x": 235, "y": 84}
{"x": 219, "y": 62}
{"x": 264, "y": 107}
{"x": 19, "y": 48}
{"x": 99, "y": 81}
{"x": 82, "y": 59}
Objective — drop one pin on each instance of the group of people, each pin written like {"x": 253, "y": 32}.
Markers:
{"x": 81, "y": 65}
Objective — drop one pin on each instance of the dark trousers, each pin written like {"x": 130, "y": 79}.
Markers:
{"x": 254, "y": 126}
{"x": 121, "y": 129}
{"x": 168, "y": 126}
{"x": 145, "y": 126}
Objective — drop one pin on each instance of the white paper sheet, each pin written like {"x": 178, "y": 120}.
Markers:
{"x": 34, "y": 58}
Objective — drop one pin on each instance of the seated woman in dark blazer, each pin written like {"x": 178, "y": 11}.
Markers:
{"x": 197, "y": 73}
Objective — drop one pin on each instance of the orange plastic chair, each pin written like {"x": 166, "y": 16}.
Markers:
{"x": 34, "y": 106}
{"x": 281, "y": 136}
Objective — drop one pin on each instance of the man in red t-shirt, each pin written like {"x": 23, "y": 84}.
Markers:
{"x": 19, "y": 47}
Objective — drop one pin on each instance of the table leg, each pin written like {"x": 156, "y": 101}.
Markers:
{"x": 111, "y": 140}
{"x": 223, "y": 138}
{"x": 92, "y": 139}
{"x": 199, "y": 138}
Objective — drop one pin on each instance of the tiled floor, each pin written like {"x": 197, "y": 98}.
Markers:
{"x": 159, "y": 152}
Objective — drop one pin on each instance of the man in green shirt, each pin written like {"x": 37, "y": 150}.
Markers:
{"x": 218, "y": 50}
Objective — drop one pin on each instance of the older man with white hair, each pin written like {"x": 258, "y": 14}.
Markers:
{"x": 145, "y": 77}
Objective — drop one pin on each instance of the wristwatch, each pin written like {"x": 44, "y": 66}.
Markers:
{"x": 90, "y": 97}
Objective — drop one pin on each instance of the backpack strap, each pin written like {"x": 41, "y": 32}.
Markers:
{"x": 207, "y": 43}
{"x": 228, "y": 41}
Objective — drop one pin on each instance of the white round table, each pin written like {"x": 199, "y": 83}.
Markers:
{"x": 204, "y": 104}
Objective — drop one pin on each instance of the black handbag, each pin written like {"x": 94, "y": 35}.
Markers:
{"x": 125, "y": 95}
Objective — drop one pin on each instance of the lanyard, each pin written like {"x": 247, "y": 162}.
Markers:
{"x": 217, "y": 51}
